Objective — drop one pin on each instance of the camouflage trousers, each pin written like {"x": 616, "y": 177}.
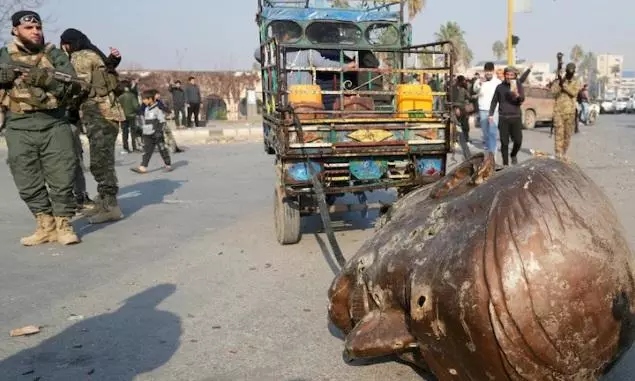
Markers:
{"x": 563, "y": 125}
{"x": 169, "y": 137}
{"x": 102, "y": 137}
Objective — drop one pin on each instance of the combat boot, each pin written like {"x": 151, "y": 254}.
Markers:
{"x": 97, "y": 207}
{"x": 65, "y": 233}
{"x": 84, "y": 203}
{"x": 109, "y": 211}
{"x": 44, "y": 232}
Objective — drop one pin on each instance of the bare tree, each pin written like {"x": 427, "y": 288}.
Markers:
{"x": 9, "y": 7}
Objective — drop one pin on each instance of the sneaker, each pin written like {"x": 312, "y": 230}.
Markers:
{"x": 139, "y": 169}
{"x": 514, "y": 160}
{"x": 167, "y": 168}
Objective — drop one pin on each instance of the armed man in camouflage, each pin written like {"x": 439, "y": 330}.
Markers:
{"x": 39, "y": 138}
{"x": 102, "y": 114}
{"x": 565, "y": 89}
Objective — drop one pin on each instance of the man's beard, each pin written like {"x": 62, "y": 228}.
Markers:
{"x": 569, "y": 75}
{"x": 30, "y": 45}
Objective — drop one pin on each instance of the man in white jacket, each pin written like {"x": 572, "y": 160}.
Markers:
{"x": 485, "y": 89}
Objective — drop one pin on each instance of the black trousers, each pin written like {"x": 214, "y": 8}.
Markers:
{"x": 129, "y": 127}
{"x": 179, "y": 115}
{"x": 510, "y": 127}
{"x": 151, "y": 141}
{"x": 193, "y": 110}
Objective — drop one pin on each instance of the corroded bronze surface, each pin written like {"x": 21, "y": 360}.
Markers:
{"x": 512, "y": 279}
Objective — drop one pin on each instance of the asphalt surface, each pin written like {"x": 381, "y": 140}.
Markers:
{"x": 192, "y": 284}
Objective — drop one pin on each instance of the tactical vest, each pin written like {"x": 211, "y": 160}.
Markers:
{"x": 104, "y": 82}
{"x": 21, "y": 97}
{"x": 102, "y": 98}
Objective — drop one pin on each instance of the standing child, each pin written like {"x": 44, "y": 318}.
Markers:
{"x": 152, "y": 129}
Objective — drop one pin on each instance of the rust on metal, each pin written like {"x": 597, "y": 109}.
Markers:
{"x": 506, "y": 276}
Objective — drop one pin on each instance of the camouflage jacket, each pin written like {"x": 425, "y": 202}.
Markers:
{"x": 85, "y": 63}
{"x": 20, "y": 97}
{"x": 566, "y": 103}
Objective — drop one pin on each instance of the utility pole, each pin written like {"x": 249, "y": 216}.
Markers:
{"x": 510, "y": 32}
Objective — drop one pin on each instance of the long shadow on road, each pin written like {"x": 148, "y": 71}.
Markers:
{"x": 135, "y": 339}
{"x": 133, "y": 198}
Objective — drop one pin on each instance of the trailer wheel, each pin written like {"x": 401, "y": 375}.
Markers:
{"x": 287, "y": 218}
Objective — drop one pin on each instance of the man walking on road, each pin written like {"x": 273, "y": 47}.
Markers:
{"x": 508, "y": 97}
{"x": 42, "y": 155}
{"x": 565, "y": 91}
{"x": 193, "y": 99}
{"x": 485, "y": 89}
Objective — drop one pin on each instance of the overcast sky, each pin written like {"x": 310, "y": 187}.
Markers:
{"x": 219, "y": 34}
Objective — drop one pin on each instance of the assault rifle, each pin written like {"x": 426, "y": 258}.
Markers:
{"x": 55, "y": 74}
{"x": 76, "y": 91}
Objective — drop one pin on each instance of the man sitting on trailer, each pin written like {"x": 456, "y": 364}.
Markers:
{"x": 304, "y": 58}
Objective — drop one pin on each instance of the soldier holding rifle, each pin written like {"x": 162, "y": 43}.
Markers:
{"x": 565, "y": 89}
{"x": 38, "y": 82}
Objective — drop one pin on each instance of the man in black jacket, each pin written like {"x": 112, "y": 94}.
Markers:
{"x": 509, "y": 95}
{"x": 178, "y": 103}
{"x": 193, "y": 100}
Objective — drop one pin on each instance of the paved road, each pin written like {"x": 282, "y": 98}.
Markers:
{"x": 191, "y": 285}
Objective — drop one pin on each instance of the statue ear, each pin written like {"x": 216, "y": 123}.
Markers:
{"x": 379, "y": 333}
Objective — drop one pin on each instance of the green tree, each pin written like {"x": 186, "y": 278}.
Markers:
{"x": 588, "y": 66}
{"x": 451, "y": 31}
{"x": 499, "y": 50}
{"x": 414, "y": 7}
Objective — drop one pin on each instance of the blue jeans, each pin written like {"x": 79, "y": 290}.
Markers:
{"x": 489, "y": 131}
{"x": 584, "y": 114}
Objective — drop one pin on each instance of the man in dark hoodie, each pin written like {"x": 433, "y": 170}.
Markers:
{"x": 509, "y": 96}
{"x": 130, "y": 105}
{"x": 193, "y": 99}
{"x": 102, "y": 114}
{"x": 178, "y": 103}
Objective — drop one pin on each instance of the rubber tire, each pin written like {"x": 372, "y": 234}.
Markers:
{"x": 532, "y": 114}
{"x": 287, "y": 218}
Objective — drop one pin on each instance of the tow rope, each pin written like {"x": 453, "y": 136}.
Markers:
{"x": 319, "y": 193}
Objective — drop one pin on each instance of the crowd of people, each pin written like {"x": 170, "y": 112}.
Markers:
{"x": 494, "y": 101}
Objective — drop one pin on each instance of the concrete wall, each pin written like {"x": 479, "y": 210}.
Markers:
{"x": 230, "y": 86}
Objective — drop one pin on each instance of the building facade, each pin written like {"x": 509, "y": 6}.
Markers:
{"x": 610, "y": 67}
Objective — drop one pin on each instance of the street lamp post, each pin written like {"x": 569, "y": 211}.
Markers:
{"x": 510, "y": 31}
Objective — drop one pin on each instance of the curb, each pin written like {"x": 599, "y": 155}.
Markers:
{"x": 199, "y": 136}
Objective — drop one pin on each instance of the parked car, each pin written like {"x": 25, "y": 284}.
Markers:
{"x": 621, "y": 105}
{"x": 607, "y": 106}
{"x": 537, "y": 107}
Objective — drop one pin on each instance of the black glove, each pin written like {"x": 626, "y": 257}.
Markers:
{"x": 7, "y": 76}
{"x": 38, "y": 77}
